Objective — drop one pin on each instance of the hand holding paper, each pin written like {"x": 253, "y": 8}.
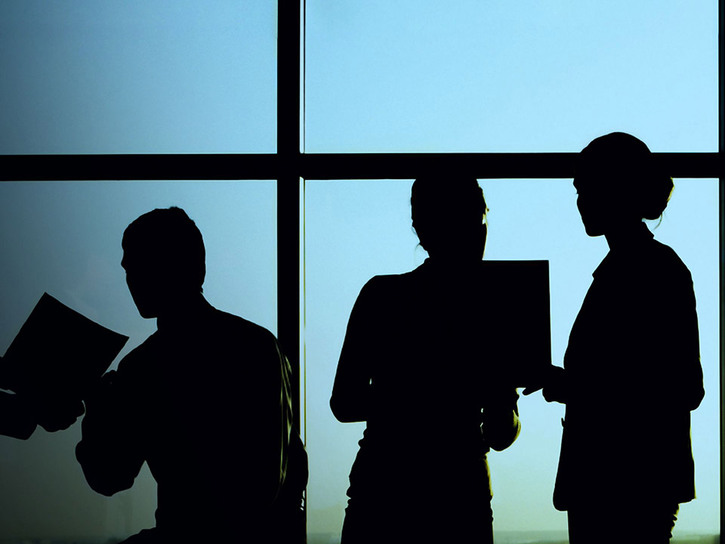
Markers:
{"x": 54, "y": 361}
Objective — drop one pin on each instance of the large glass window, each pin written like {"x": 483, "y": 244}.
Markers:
{"x": 218, "y": 79}
{"x": 137, "y": 77}
{"x": 468, "y": 76}
{"x": 357, "y": 229}
{"x": 65, "y": 238}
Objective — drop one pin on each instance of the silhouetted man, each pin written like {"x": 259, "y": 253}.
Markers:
{"x": 205, "y": 401}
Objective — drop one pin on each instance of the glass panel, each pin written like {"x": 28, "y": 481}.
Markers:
{"x": 421, "y": 76}
{"x": 357, "y": 229}
{"x": 137, "y": 76}
{"x": 65, "y": 238}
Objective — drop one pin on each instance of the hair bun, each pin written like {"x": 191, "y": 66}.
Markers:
{"x": 624, "y": 157}
{"x": 655, "y": 194}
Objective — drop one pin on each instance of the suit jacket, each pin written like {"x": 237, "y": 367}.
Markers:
{"x": 208, "y": 407}
{"x": 633, "y": 375}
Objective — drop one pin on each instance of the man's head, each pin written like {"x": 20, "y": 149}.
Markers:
{"x": 164, "y": 259}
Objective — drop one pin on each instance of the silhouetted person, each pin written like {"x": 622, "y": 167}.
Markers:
{"x": 21, "y": 413}
{"x": 632, "y": 369}
{"x": 413, "y": 367}
{"x": 205, "y": 401}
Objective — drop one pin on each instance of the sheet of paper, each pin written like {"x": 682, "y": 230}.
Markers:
{"x": 58, "y": 347}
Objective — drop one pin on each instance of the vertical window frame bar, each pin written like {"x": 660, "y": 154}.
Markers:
{"x": 721, "y": 219}
{"x": 289, "y": 13}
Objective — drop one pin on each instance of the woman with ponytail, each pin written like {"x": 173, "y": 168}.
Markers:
{"x": 414, "y": 367}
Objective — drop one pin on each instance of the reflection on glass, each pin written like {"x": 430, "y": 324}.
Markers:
{"x": 357, "y": 229}
{"x": 419, "y": 76}
{"x": 65, "y": 238}
{"x": 137, "y": 77}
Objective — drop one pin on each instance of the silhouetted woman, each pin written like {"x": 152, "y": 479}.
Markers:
{"x": 632, "y": 369}
{"x": 413, "y": 367}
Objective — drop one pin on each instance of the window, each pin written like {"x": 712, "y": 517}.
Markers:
{"x": 110, "y": 110}
{"x": 65, "y": 238}
{"x": 360, "y": 228}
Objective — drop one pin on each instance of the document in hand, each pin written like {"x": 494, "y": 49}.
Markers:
{"x": 58, "y": 347}
{"x": 518, "y": 317}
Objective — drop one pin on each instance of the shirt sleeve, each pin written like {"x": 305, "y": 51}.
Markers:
{"x": 682, "y": 376}
{"x": 109, "y": 452}
{"x": 352, "y": 388}
{"x": 501, "y": 425}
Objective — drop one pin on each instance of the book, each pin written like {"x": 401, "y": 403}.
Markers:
{"x": 58, "y": 348}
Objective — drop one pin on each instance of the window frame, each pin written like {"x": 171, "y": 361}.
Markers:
{"x": 290, "y": 166}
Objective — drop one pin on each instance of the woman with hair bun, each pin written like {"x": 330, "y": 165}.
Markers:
{"x": 414, "y": 368}
{"x": 632, "y": 371}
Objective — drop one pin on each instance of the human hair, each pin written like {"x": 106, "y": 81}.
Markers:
{"x": 622, "y": 159}
{"x": 443, "y": 208}
{"x": 167, "y": 239}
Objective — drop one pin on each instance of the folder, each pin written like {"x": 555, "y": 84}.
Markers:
{"x": 58, "y": 348}
{"x": 518, "y": 318}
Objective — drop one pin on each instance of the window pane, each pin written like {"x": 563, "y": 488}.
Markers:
{"x": 357, "y": 229}
{"x": 137, "y": 76}
{"x": 65, "y": 238}
{"x": 473, "y": 76}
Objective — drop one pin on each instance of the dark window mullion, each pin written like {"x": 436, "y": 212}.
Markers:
{"x": 289, "y": 13}
{"x": 481, "y": 165}
{"x": 289, "y": 165}
{"x": 721, "y": 175}
{"x": 138, "y": 167}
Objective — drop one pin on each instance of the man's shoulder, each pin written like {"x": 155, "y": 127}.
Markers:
{"x": 240, "y": 328}
{"x": 136, "y": 361}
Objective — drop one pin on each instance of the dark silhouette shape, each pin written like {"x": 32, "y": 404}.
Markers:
{"x": 21, "y": 413}
{"x": 413, "y": 367}
{"x": 55, "y": 358}
{"x": 632, "y": 369}
{"x": 16, "y": 417}
{"x": 52, "y": 409}
{"x": 205, "y": 401}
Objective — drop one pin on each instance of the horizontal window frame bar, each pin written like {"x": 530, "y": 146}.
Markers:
{"x": 482, "y": 165}
{"x": 321, "y": 166}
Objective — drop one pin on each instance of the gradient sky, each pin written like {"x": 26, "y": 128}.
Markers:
{"x": 463, "y": 75}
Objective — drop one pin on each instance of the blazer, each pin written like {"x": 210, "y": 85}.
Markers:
{"x": 633, "y": 374}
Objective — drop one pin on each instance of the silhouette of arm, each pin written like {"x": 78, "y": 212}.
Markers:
{"x": 108, "y": 451}
{"x": 680, "y": 346}
{"x": 501, "y": 425}
{"x": 660, "y": 331}
{"x": 553, "y": 385}
{"x": 556, "y": 386}
{"x": 270, "y": 427}
{"x": 16, "y": 418}
{"x": 352, "y": 390}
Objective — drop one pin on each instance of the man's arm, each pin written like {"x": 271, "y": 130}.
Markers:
{"x": 108, "y": 451}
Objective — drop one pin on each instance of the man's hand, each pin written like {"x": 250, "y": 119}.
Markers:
{"x": 56, "y": 411}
